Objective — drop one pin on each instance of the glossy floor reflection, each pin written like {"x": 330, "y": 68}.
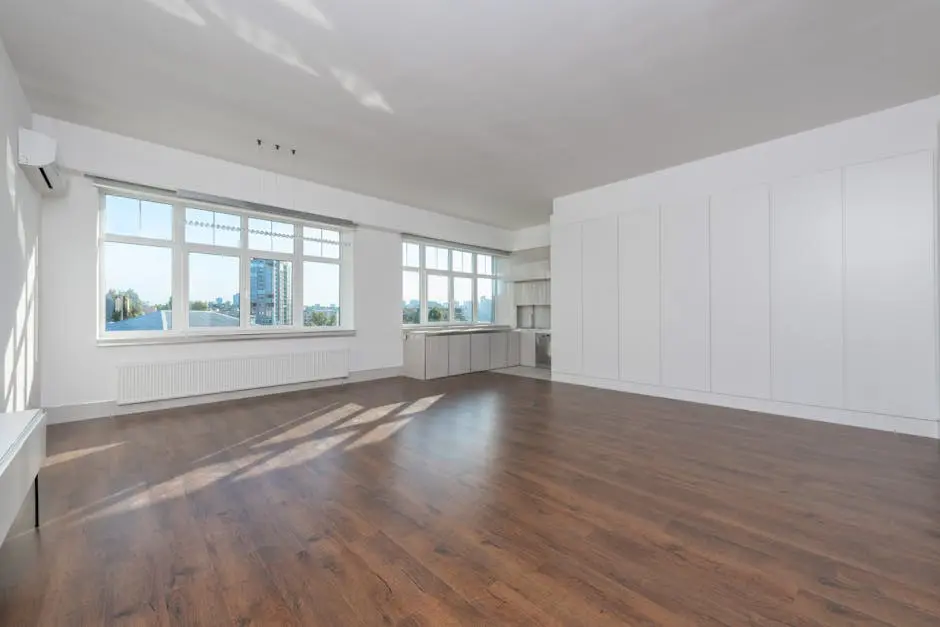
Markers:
{"x": 477, "y": 500}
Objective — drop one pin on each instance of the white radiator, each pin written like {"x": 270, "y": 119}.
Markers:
{"x": 140, "y": 383}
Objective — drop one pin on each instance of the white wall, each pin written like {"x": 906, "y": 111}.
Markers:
{"x": 19, "y": 255}
{"x": 76, "y": 371}
{"x": 796, "y": 277}
{"x": 536, "y": 236}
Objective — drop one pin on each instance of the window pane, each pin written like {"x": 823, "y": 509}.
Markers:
{"x": 485, "y": 300}
{"x": 410, "y": 297}
{"x": 212, "y": 227}
{"x": 138, "y": 285}
{"x": 321, "y": 294}
{"x": 438, "y": 300}
{"x": 317, "y": 243}
{"x": 313, "y": 247}
{"x": 270, "y": 292}
{"x": 463, "y": 299}
{"x": 140, "y": 218}
{"x": 270, "y": 235}
{"x": 410, "y": 255}
{"x": 463, "y": 262}
{"x": 213, "y": 291}
{"x": 484, "y": 264}
{"x": 436, "y": 258}
{"x": 330, "y": 251}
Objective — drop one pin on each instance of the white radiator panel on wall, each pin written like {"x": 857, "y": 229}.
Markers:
{"x": 890, "y": 287}
{"x": 639, "y": 296}
{"x": 144, "y": 382}
{"x": 685, "y": 295}
{"x": 739, "y": 243}
{"x": 806, "y": 301}
{"x": 601, "y": 344}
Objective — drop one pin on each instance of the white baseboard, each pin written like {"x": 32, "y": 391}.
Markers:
{"x": 104, "y": 409}
{"x": 881, "y": 422}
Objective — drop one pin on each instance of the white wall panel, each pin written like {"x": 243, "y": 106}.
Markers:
{"x": 566, "y": 302}
{"x": 685, "y": 295}
{"x": 601, "y": 300}
{"x": 639, "y": 295}
{"x": 739, "y": 246}
{"x": 890, "y": 292}
{"x": 806, "y": 290}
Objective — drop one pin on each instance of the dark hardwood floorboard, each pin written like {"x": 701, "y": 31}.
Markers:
{"x": 480, "y": 500}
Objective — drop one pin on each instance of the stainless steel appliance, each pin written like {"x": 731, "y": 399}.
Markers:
{"x": 543, "y": 350}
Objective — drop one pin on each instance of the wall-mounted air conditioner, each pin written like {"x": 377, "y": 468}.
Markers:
{"x": 37, "y": 158}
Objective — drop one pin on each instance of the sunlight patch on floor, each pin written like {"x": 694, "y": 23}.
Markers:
{"x": 306, "y": 429}
{"x": 420, "y": 405}
{"x": 67, "y": 456}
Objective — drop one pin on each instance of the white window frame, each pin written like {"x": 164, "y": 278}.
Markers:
{"x": 424, "y": 272}
{"x": 181, "y": 249}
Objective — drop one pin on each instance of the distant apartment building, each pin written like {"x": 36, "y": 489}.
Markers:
{"x": 271, "y": 302}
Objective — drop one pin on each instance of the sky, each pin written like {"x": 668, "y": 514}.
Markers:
{"x": 149, "y": 269}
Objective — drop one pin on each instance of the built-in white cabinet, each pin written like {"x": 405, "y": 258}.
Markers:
{"x": 640, "y": 295}
{"x": 566, "y": 302}
{"x": 890, "y": 287}
{"x": 739, "y": 237}
{"x": 684, "y": 286}
{"x": 600, "y": 352}
{"x": 459, "y": 359}
{"x": 806, "y": 294}
{"x": 806, "y": 290}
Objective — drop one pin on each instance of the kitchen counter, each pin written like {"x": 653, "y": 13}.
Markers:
{"x": 458, "y": 331}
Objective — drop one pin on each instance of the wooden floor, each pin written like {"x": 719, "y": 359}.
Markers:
{"x": 481, "y": 500}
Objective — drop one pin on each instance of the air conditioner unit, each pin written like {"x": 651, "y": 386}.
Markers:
{"x": 37, "y": 158}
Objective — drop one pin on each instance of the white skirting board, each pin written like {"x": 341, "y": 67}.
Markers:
{"x": 880, "y": 422}
{"x": 104, "y": 409}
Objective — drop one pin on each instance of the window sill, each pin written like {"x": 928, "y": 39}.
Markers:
{"x": 222, "y": 337}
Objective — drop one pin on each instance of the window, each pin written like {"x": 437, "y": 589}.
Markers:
{"x": 213, "y": 228}
{"x": 272, "y": 303}
{"x": 321, "y": 294}
{"x": 213, "y": 291}
{"x": 438, "y": 298}
{"x": 446, "y": 286}
{"x": 411, "y": 297}
{"x": 219, "y": 270}
{"x": 138, "y": 287}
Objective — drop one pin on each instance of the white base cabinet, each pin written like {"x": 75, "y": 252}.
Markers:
{"x": 432, "y": 355}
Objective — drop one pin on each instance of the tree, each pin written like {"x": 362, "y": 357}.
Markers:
{"x": 126, "y": 304}
{"x": 323, "y": 319}
{"x": 199, "y": 305}
{"x": 435, "y": 314}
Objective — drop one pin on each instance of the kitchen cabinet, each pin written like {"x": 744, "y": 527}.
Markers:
{"x": 527, "y": 348}
{"x": 499, "y": 350}
{"x": 438, "y": 357}
{"x": 533, "y": 293}
{"x": 479, "y": 352}
{"x": 459, "y": 347}
{"x": 436, "y": 354}
{"x": 514, "y": 345}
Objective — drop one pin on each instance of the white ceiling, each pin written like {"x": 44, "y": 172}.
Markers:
{"x": 485, "y": 109}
